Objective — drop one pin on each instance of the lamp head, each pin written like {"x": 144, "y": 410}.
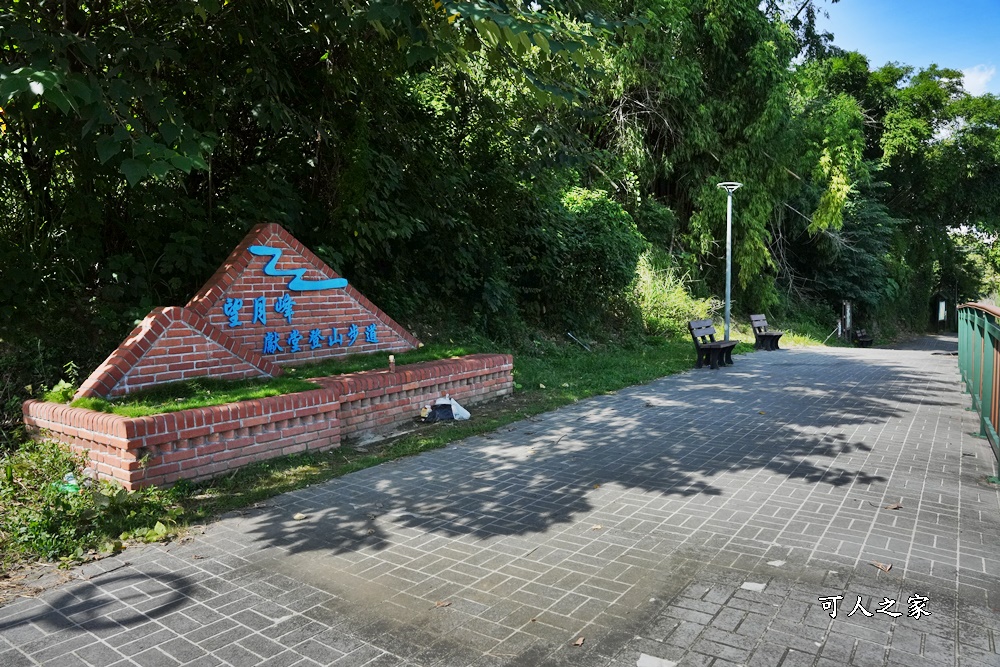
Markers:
{"x": 730, "y": 186}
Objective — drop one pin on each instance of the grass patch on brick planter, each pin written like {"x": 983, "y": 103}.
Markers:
{"x": 205, "y": 392}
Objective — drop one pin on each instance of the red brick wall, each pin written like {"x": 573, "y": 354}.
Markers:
{"x": 173, "y": 344}
{"x": 169, "y": 345}
{"x": 180, "y": 354}
{"x": 102, "y": 434}
{"x": 205, "y": 442}
{"x": 202, "y": 443}
{"x": 377, "y": 402}
{"x": 242, "y": 276}
{"x": 191, "y": 444}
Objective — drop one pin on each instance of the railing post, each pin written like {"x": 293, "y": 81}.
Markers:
{"x": 979, "y": 363}
{"x": 963, "y": 348}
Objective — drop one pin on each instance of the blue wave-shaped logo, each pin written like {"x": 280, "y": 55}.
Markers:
{"x": 297, "y": 283}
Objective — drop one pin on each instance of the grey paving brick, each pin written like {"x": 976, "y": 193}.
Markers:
{"x": 320, "y": 653}
{"x": 692, "y": 503}
{"x": 684, "y": 635}
{"x": 153, "y": 657}
{"x": 235, "y": 654}
{"x": 221, "y": 639}
{"x": 96, "y": 654}
{"x": 868, "y": 653}
{"x": 794, "y": 658}
{"x": 261, "y": 645}
{"x": 14, "y": 658}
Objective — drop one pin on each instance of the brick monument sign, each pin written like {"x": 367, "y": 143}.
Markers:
{"x": 272, "y": 303}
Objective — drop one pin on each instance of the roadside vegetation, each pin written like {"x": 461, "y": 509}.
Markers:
{"x": 511, "y": 167}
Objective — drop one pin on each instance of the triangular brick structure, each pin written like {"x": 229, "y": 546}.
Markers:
{"x": 273, "y": 302}
{"x": 269, "y": 265}
{"x": 170, "y": 345}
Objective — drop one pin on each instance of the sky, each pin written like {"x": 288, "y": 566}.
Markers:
{"x": 961, "y": 34}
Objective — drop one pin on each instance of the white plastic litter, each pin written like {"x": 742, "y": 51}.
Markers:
{"x": 457, "y": 410}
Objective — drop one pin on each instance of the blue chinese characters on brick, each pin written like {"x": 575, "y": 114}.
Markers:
{"x": 271, "y": 346}
{"x": 260, "y": 310}
{"x": 294, "y": 337}
{"x": 284, "y": 305}
{"x": 294, "y": 340}
{"x": 231, "y": 309}
{"x": 315, "y": 338}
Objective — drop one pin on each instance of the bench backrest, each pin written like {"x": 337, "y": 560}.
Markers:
{"x": 759, "y": 323}
{"x": 702, "y": 330}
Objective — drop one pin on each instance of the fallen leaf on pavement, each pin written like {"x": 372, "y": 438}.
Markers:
{"x": 442, "y": 603}
{"x": 894, "y": 506}
{"x": 882, "y": 566}
{"x": 578, "y": 642}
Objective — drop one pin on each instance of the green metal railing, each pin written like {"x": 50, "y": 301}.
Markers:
{"x": 979, "y": 361}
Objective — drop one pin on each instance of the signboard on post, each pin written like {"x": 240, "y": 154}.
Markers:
{"x": 846, "y": 317}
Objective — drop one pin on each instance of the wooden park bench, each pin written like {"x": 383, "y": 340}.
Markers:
{"x": 711, "y": 351}
{"x": 764, "y": 338}
{"x": 862, "y": 338}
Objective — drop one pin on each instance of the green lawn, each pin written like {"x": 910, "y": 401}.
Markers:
{"x": 583, "y": 373}
{"x": 203, "y": 392}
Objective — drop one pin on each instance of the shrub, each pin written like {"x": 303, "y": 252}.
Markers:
{"x": 583, "y": 250}
{"x": 602, "y": 245}
{"x": 38, "y": 520}
{"x": 663, "y": 299}
{"x": 656, "y": 222}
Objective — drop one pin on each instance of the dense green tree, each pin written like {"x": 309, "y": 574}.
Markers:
{"x": 930, "y": 150}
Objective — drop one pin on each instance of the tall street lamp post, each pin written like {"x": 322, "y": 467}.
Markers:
{"x": 730, "y": 188}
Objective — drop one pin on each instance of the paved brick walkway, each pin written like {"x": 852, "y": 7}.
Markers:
{"x": 693, "y": 521}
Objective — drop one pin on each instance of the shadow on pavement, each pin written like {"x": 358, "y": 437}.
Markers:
{"x": 112, "y": 602}
{"x": 673, "y": 437}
